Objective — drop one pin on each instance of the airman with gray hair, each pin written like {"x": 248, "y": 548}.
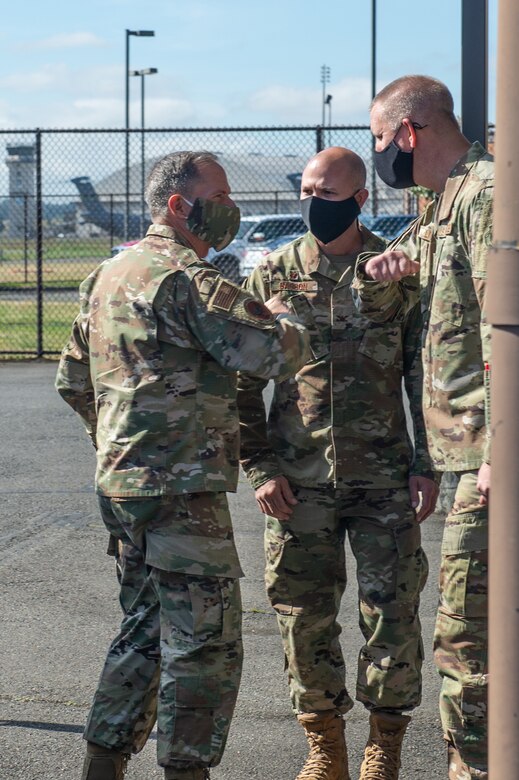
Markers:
{"x": 151, "y": 369}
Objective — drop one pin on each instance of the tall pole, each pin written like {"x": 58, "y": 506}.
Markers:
{"x": 127, "y": 136}
{"x": 329, "y": 104}
{"x": 503, "y": 314}
{"x": 142, "y": 74}
{"x": 128, "y": 33}
{"x": 374, "y": 196}
{"x": 474, "y": 69}
{"x": 142, "y": 153}
{"x": 325, "y": 78}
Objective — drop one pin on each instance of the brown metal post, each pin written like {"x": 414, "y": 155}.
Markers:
{"x": 503, "y": 313}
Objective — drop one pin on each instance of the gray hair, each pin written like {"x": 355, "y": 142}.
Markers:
{"x": 420, "y": 98}
{"x": 173, "y": 174}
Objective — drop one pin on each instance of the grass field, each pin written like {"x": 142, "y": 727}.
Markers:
{"x": 18, "y": 325}
{"x": 55, "y": 248}
{"x": 65, "y": 262}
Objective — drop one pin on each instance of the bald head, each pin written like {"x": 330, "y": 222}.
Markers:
{"x": 420, "y": 98}
{"x": 336, "y": 167}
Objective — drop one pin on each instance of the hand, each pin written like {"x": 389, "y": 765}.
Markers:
{"x": 276, "y": 305}
{"x": 275, "y": 498}
{"x": 483, "y": 483}
{"x": 391, "y": 266}
{"x": 424, "y": 494}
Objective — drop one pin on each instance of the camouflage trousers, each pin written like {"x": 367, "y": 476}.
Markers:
{"x": 178, "y": 656}
{"x": 461, "y": 633}
{"x": 306, "y": 578}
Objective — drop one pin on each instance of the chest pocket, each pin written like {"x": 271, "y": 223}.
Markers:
{"x": 304, "y": 310}
{"x": 452, "y": 287}
{"x": 382, "y": 342}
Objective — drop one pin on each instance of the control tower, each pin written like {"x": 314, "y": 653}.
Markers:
{"x": 22, "y": 201}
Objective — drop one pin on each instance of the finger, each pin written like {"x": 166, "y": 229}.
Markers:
{"x": 287, "y": 495}
{"x": 413, "y": 493}
{"x": 426, "y": 509}
{"x": 411, "y": 266}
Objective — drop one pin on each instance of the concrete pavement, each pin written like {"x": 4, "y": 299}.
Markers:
{"x": 60, "y": 611}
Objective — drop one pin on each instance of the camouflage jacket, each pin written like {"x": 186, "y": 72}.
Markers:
{"x": 151, "y": 367}
{"x": 451, "y": 242}
{"x": 341, "y": 420}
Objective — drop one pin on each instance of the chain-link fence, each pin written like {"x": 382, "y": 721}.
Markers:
{"x": 67, "y": 197}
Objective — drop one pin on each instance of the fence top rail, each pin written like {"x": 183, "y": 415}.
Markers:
{"x": 40, "y": 130}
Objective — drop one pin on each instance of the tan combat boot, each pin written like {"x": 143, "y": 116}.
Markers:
{"x": 458, "y": 770}
{"x": 328, "y": 758}
{"x": 194, "y": 773}
{"x": 103, "y": 763}
{"x": 382, "y": 754}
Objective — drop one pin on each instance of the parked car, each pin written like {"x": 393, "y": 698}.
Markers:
{"x": 121, "y": 247}
{"x": 256, "y": 254}
{"x": 387, "y": 225}
{"x": 255, "y": 230}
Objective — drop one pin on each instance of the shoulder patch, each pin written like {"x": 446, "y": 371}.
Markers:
{"x": 257, "y": 310}
{"x": 225, "y": 295}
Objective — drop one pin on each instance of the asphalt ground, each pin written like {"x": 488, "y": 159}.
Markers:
{"x": 60, "y": 611}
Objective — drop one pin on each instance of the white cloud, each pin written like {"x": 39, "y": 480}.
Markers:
{"x": 69, "y": 41}
{"x": 350, "y": 102}
{"x": 49, "y": 76}
{"x": 163, "y": 112}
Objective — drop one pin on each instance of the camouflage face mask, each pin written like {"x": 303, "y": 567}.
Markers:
{"x": 213, "y": 222}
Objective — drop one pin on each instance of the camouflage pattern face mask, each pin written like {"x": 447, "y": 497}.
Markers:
{"x": 213, "y": 222}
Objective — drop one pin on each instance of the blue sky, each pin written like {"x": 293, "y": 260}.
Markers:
{"x": 220, "y": 62}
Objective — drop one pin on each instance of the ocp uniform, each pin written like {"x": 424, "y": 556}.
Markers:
{"x": 451, "y": 240}
{"x": 337, "y": 432}
{"x": 150, "y": 369}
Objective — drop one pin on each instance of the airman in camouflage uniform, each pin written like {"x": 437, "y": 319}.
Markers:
{"x": 334, "y": 458}
{"x": 151, "y": 368}
{"x": 446, "y": 250}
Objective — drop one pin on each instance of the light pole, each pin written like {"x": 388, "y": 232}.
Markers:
{"x": 142, "y": 34}
{"x": 328, "y": 102}
{"x": 374, "y": 197}
{"x": 325, "y": 78}
{"x": 142, "y": 73}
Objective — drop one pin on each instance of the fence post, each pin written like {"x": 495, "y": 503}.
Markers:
{"x": 319, "y": 138}
{"x": 39, "y": 247}
{"x": 25, "y": 236}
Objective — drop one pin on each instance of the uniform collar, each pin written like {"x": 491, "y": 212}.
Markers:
{"x": 166, "y": 231}
{"x": 456, "y": 178}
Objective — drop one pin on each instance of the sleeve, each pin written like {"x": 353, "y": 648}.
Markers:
{"x": 413, "y": 382}
{"x": 386, "y": 301}
{"x": 257, "y": 458}
{"x": 73, "y": 381}
{"x": 479, "y": 240}
{"x": 240, "y": 332}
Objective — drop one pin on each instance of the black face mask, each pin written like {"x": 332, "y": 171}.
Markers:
{"x": 394, "y": 166}
{"x": 328, "y": 219}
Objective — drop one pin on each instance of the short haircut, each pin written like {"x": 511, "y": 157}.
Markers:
{"x": 420, "y": 98}
{"x": 173, "y": 174}
{"x": 358, "y": 171}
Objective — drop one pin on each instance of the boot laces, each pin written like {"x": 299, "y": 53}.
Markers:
{"x": 123, "y": 766}
{"x": 381, "y": 758}
{"x": 318, "y": 763}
